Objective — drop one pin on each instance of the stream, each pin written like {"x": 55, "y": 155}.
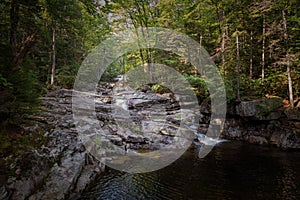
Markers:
{"x": 141, "y": 121}
{"x": 233, "y": 170}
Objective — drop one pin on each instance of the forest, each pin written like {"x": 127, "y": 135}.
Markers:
{"x": 49, "y": 147}
{"x": 255, "y": 44}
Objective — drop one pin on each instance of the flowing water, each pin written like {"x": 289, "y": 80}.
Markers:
{"x": 233, "y": 170}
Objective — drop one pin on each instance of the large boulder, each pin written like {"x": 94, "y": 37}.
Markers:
{"x": 264, "y": 109}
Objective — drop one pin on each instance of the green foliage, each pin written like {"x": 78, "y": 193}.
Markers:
{"x": 81, "y": 25}
{"x": 13, "y": 141}
{"x": 268, "y": 106}
{"x": 4, "y": 83}
{"x": 199, "y": 85}
{"x": 66, "y": 75}
{"x": 19, "y": 89}
{"x": 112, "y": 72}
{"x": 275, "y": 83}
{"x": 250, "y": 89}
{"x": 157, "y": 88}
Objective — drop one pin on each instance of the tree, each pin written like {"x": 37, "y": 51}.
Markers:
{"x": 238, "y": 65}
{"x": 286, "y": 37}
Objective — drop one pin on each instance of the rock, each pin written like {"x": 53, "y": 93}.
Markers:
{"x": 164, "y": 132}
{"x": 205, "y": 107}
{"x": 293, "y": 114}
{"x": 145, "y": 88}
{"x": 173, "y": 106}
{"x": 296, "y": 125}
{"x": 272, "y": 115}
{"x": 56, "y": 167}
{"x": 280, "y": 133}
{"x": 234, "y": 132}
{"x": 276, "y": 139}
{"x": 4, "y": 195}
{"x": 135, "y": 103}
{"x": 173, "y": 119}
{"x": 116, "y": 140}
{"x": 285, "y": 140}
{"x": 265, "y": 109}
{"x": 291, "y": 141}
{"x": 257, "y": 140}
{"x": 62, "y": 167}
{"x": 61, "y": 178}
{"x": 23, "y": 188}
{"x": 169, "y": 131}
{"x": 86, "y": 175}
{"x": 135, "y": 139}
{"x": 166, "y": 140}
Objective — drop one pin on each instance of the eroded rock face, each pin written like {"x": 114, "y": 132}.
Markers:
{"x": 264, "y": 122}
{"x": 62, "y": 167}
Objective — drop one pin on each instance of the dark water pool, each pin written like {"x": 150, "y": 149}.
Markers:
{"x": 231, "y": 171}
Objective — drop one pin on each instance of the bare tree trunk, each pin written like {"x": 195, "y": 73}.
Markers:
{"x": 224, "y": 38}
{"x": 238, "y": 66}
{"x": 290, "y": 84}
{"x": 200, "y": 57}
{"x": 53, "y": 60}
{"x": 251, "y": 54}
{"x": 223, "y": 50}
{"x": 123, "y": 64}
{"x": 263, "y": 49}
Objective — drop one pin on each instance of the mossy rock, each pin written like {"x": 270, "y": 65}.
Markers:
{"x": 263, "y": 109}
{"x": 293, "y": 114}
{"x": 157, "y": 88}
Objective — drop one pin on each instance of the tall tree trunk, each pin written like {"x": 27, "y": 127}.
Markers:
{"x": 224, "y": 38}
{"x": 263, "y": 49}
{"x": 251, "y": 54}
{"x": 53, "y": 60}
{"x": 286, "y": 37}
{"x": 223, "y": 50}
{"x": 200, "y": 57}
{"x": 123, "y": 63}
{"x": 238, "y": 66}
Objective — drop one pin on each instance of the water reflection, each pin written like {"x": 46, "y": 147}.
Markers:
{"x": 287, "y": 180}
{"x": 231, "y": 171}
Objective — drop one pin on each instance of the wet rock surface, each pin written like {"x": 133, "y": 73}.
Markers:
{"x": 263, "y": 122}
{"x": 133, "y": 121}
{"x": 63, "y": 167}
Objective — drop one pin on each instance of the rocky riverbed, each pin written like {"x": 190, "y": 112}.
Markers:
{"x": 135, "y": 121}
{"x": 62, "y": 167}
